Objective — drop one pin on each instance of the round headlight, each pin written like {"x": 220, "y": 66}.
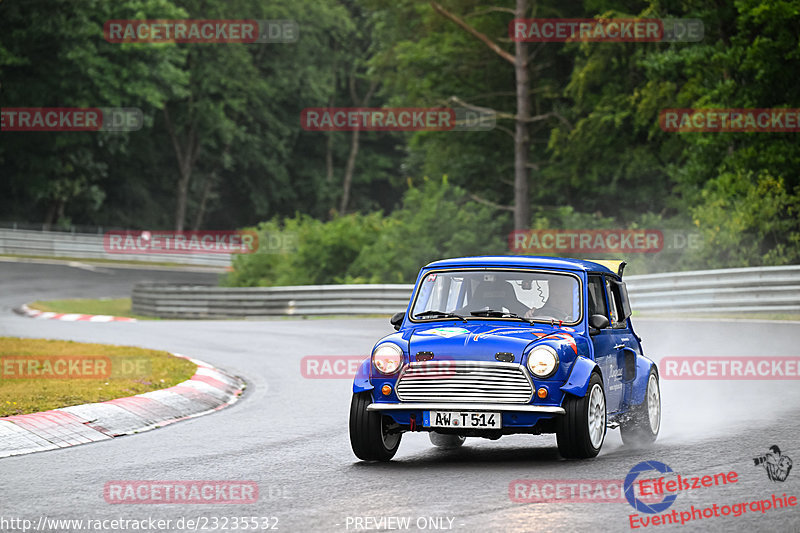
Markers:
{"x": 542, "y": 361}
{"x": 387, "y": 358}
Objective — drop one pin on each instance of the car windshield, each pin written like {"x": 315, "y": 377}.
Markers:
{"x": 540, "y": 296}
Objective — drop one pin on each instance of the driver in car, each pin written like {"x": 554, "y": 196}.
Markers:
{"x": 495, "y": 295}
{"x": 499, "y": 295}
{"x": 559, "y": 301}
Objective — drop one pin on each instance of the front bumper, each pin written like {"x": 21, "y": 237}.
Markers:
{"x": 451, "y": 406}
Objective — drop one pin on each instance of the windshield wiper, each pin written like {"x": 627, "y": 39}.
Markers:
{"x": 442, "y": 314}
{"x": 499, "y": 314}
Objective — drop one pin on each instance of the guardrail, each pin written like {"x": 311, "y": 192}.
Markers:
{"x": 200, "y": 301}
{"x": 90, "y": 246}
{"x": 734, "y": 290}
{"x": 744, "y": 290}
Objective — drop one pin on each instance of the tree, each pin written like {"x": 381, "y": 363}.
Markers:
{"x": 43, "y": 45}
{"x": 618, "y": 152}
{"x": 521, "y": 137}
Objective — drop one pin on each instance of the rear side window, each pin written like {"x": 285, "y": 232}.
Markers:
{"x": 617, "y": 315}
{"x": 597, "y": 298}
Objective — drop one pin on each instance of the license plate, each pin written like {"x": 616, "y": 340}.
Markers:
{"x": 462, "y": 419}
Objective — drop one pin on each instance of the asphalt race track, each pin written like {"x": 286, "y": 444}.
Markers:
{"x": 290, "y": 435}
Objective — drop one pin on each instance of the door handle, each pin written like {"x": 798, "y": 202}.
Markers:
{"x": 618, "y": 346}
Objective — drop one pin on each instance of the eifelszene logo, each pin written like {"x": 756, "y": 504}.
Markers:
{"x": 777, "y": 466}
{"x": 629, "y": 486}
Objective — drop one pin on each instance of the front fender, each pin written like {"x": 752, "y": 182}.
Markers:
{"x": 361, "y": 382}
{"x": 578, "y": 380}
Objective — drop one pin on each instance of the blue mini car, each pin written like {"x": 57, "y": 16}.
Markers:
{"x": 491, "y": 346}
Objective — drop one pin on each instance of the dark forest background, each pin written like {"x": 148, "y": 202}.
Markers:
{"x": 222, "y": 146}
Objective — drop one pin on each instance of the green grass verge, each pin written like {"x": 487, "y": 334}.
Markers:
{"x": 106, "y": 372}
{"x": 87, "y": 306}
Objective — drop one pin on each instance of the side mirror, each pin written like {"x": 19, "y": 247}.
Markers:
{"x": 397, "y": 320}
{"x": 598, "y": 322}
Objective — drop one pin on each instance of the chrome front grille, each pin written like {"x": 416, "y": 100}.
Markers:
{"x": 464, "y": 381}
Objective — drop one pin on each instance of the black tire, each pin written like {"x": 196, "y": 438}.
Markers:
{"x": 641, "y": 429}
{"x": 367, "y": 431}
{"x": 446, "y": 441}
{"x": 578, "y": 434}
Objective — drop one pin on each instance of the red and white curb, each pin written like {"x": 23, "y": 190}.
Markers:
{"x": 208, "y": 390}
{"x": 70, "y": 317}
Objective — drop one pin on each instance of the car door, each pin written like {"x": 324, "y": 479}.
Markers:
{"x": 626, "y": 341}
{"x": 608, "y": 342}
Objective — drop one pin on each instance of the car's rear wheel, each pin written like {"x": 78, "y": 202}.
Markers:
{"x": 644, "y": 423}
{"x": 581, "y": 431}
{"x": 369, "y": 431}
{"x": 446, "y": 441}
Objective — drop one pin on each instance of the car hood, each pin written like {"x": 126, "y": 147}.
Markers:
{"x": 482, "y": 341}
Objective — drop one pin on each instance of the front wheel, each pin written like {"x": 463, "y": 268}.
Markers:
{"x": 644, "y": 423}
{"x": 581, "y": 431}
{"x": 369, "y": 435}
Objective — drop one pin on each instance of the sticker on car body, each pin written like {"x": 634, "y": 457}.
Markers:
{"x": 444, "y": 332}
